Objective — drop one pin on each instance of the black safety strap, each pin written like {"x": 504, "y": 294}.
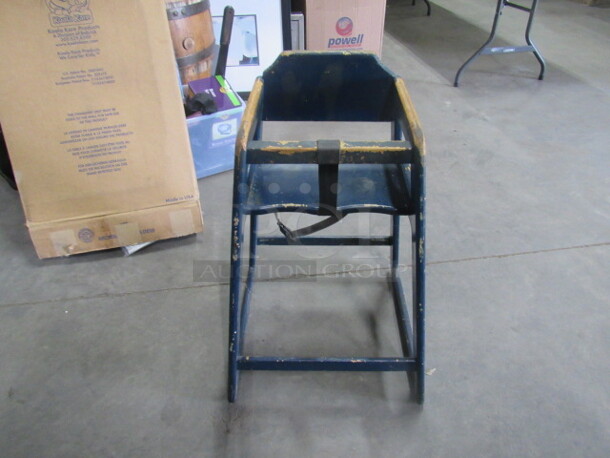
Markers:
{"x": 328, "y": 158}
{"x": 329, "y": 155}
{"x": 293, "y": 235}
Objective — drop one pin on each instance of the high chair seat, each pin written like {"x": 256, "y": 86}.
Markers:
{"x": 377, "y": 188}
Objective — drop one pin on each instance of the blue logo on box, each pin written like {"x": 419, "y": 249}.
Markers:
{"x": 224, "y": 129}
{"x": 86, "y": 235}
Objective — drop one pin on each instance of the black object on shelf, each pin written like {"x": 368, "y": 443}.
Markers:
{"x": 225, "y": 40}
{"x": 286, "y": 28}
{"x": 203, "y": 103}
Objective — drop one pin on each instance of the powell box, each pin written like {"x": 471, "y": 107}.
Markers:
{"x": 338, "y": 25}
{"x": 93, "y": 119}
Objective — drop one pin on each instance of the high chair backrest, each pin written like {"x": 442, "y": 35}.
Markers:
{"x": 328, "y": 86}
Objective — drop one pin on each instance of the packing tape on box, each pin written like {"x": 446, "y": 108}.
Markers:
{"x": 63, "y": 242}
{"x": 182, "y": 222}
{"x": 128, "y": 233}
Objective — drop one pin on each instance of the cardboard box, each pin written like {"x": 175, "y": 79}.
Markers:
{"x": 213, "y": 135}
{"x": 92, "y": 115}
{"x": 343, "y": 25}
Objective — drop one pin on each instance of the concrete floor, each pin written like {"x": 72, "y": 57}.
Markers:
{"x": 106, "y": 356}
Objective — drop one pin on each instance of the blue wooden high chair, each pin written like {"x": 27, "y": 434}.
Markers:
{"x": 330, "y": 86}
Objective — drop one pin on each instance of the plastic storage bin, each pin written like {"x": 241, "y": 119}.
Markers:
{"x": 213, "y": 135}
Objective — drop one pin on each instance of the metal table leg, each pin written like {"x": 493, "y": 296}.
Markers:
{"x": 427, "y": 2}
{"x": 486, "y": 49}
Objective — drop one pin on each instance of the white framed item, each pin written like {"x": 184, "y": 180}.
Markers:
{"x": 256, "y": 40}
{"x": 297, "y": 30}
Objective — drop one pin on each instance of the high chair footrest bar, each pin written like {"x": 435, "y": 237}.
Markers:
{"x": 266, "y": 363}
{"x": 330, "y": 241}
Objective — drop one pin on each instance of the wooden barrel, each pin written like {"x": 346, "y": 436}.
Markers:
{"x": 190, "y": 24}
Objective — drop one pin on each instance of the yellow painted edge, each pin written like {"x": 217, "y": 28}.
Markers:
{"x": 411, "y": 114}
{"x": 370, "y": 149}
{"x": 288, "y": 151}
{"x": 289, "y": 148}
{"x": 247, "y": 119}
